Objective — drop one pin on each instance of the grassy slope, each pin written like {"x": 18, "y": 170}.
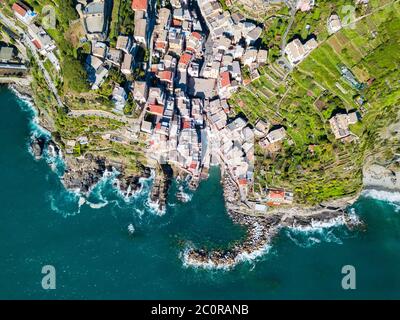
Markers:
{"x": 335, "y": 169}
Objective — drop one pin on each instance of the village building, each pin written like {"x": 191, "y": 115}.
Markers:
{"x": 42, "y": 41}
{"x": 126, "y": 66}
{"x": 140, "y": 91}
{"x": 278, "y": 197}
{"x": 124, "y": 43}
{"x": 340, "y": 124}
{"x": 296, "y": 51}
{"x": 305, "y": 5}
{"x": 140, "y": 31}
{"x": 276, "y": 135}
{"x": 23, "y": 13}
{"x": 7, "y": 54}
{"x": 262, "y": 57}
{"x": 334, "y": 24}
{"x": 94, "y": 17}
{"x": 249, "y": 57}
{"x": 114, "y": 56}
{"x": 261, "y": 128}
{"x": 99, "y": 49}
{"x": 119, "y": 98}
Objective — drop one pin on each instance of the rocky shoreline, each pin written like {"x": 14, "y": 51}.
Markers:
{"x": 83, "y": 173}
{"x": 260, "y": 232}
{"x": 262, "y": 229}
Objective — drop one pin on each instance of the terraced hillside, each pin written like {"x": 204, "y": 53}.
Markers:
{"x": 312, "y": 163}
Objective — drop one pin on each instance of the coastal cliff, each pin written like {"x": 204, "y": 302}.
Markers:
{"x": 83, "y": 173}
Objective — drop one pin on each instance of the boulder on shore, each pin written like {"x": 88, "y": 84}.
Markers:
{"x": 37, "y": 146}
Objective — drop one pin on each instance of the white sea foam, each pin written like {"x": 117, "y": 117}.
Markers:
{"x": 242, "y": 257}
{"x": 154, "y": 207}
{"x": 387, "y": 196}
{"x": 321, "y": 231}
{"x": 81, "y": 201}
{"x": 316, "y": 225}
{"x": 186, "y": 197}
{"x": 253, "y": 255}
{"x": 26, "y": 103}
{"x": 208, "y": 265}
{"x": 68, "y": 198}
{"x": 97, "y": 205}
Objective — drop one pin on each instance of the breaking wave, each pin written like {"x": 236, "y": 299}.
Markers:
{"x": 27, "y": 105}
{"x": 331, "y": 231}
{"x": 387, "y": 196}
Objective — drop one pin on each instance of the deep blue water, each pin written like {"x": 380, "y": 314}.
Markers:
{"x": 95, "y": 257}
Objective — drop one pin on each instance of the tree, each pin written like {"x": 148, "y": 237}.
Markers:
{"x": 75, "y": 75}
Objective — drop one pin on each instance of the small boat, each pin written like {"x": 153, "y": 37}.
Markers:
{"x": 131, "y": 229}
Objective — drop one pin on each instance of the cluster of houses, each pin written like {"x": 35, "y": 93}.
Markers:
{"x": 103, "y": 58}
{"x": 95, "y": 19}
{"x": 273, "y": 140}
{"x": 232, "y": 45}
{"x": 141, "y": 21}
{"x": 196, "y": 67}
{"x": 43, "y": 43}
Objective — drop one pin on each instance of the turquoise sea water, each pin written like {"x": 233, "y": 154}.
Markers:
{"x": 95, "y": 257}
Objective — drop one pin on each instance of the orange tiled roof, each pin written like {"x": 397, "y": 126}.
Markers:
{"x": 187, "y": 124}
{"x": 225, "y": 79}
{"x": 37, "y": 44}
{"x": 193, "y": 165}
{"x": 139, "y": 5}
{"x": 156, "y": 109}
{"x": 165, "y": 75}
{"x": 176, "y": 22}
{"x": 273, "y": 204}
{"x": 160, "y": 45}
{"x": 197, "y": 35}
{"x": 185, "y": 58}
{"x": 17, "y": 8}
{"x": 276, "y": 194}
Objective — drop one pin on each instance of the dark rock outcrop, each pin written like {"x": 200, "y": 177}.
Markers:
{"x": 37, "y": 145}
{"x": 162, "y": 182}
{"x": 84, "y": 173}
{"x": 129, "y": 185}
